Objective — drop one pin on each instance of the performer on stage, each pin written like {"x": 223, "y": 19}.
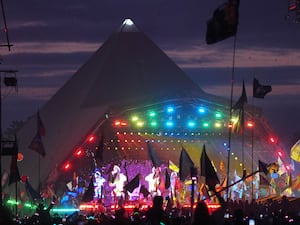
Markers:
{"x": 117, "y": 181}
{"x": 98, "y": 185}
{"x": 153, "y": 180}
{"x": 175, "y": 186}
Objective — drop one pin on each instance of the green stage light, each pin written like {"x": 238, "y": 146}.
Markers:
{"x": 205, "y": 124}
{"x": 28, "y": 205}
{"x": 218, "y": 115}
{"x": 153, "y": 124}
{"x": 152, "y": 114}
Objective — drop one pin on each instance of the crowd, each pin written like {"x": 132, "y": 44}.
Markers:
{"x": 270, "y": 212}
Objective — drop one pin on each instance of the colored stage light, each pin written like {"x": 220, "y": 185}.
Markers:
{"x": 170, "y": 109}
{"x": 218, "y": 115}
{"x": 169, "y": 124}
{"x": 153, "y": 124}
{"x": 28, "y": 205}
{"x": 124, "y": 124}
{"x": 67, "y": 166}
{"x": 79, "y": 152}
{"x": 250, "y": 124}
{"x": 91, "y": 139}
{"x": 134, "y": 118}
{"x": 140, "y": 123}
{"x": 12, "y": 202}
{"x": 280, "y": 153}
{"x": 64, "y": 210}
{"x": 152, "y": 114}
{"x": 202, "y": 110}
{"x": 218, "y": 124}
{"x": 272, "y": 140}
{"x": 205, "y": 124}
{"x": 191, "y": 124}
{"x": 117, "y": 123}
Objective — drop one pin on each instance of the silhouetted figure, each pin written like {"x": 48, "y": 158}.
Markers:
{"x": 156, "y": 215}
{"x": 201, "y": 214}
{"x": 136, "y": 217}
{"x": 239, "y": 217}
{"x": 6, "y": 217}
{"x": 120, "y": 218}
{"x": 44, "y": 214}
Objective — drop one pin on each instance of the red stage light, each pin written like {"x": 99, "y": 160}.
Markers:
{"x": 250, "y": 124}
{"x": 280, "y": 153}
{"x": 123, "y": 124}
{"x": 79, "y": 152}
{"x": 288, "y": 167}
{"x": 67, "y": 166}
{"x": 118, "y": 123}
{"x": 272, "y": 140}
{"x": 91, "y": 139}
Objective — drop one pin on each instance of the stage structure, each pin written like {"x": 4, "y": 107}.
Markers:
{"x": 128, "y": 96}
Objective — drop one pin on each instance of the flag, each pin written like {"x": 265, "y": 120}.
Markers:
{"x": 173, "y": 167}
{"x": 263, "y": 181}
{"x": 288, "y": 179}
{"x": 242, "y": 100}
{"x": 281, "y": 167}
{"x": 208, "y": 171}
{"x": 185, "y": 164}
{"x": 152, "y": 153}
{"x": 4, "y": 178}
{"x": 144, "y": 191}
{"x": 295, "y": 151}
{"x": 37, "y": 145}
{"x": 295, "y": 184}
{"x": 89, "y": 193}
{"x": 239, "y": 105}
{"x": 260, "y": 91}
{"x": 224, "y": 22}
{"x": 33, "y": 194}
{"x": 40, "y": 126}
{"x": 167, "y": 179}
{"x": 14, "y": 175}
{"x": 263, "y": 167}
{"x": 133, "y": 184}
{"x": 203, "y": 193}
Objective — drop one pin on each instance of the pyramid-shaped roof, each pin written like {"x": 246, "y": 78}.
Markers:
{"x": 127, "y": 69}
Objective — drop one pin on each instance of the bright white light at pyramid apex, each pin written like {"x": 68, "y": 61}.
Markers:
{"x": 128, "y": 22}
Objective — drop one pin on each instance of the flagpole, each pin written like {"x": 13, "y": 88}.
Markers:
{"x": 230, "y": 117}
{"x": 16, "y": 194}
{"x": 243, "y": 138}
{"x": 252, "y": 148}
{"x": 39, "y": 172}
{"x": 1, "y": 201}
